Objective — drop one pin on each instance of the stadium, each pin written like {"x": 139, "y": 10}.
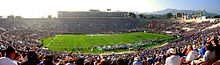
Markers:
{"x": 105, "y": 38}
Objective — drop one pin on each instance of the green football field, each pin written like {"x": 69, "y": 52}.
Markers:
{"x": 66, "y": 42}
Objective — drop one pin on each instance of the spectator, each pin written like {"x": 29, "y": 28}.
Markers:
{"x": 32, "y": 59}
{"x": 193, "y": 54}
{"x": 71, "y": 62}
{"x": 79, "y": 61}
{"x": 209, "y": 54}
{"x": 88, "y": 61}
{"x": 137, "y": 61}
{"x": 0, "y": 54}
{"x": 173, "y": 59}
{"x": 48, "y": 60}
{"x": 56, "y": 61}
{"x": 119, "y": 61}
{"x": 202, "y": 49}
{"x": 10, "y": 54}
{"x": 16, "y": 58}
{"x": 215, "y": 42}
{"x": 144, "y": 61}
{"x": 103, "y": 62}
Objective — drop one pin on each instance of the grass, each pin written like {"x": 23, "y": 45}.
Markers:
{"x": 66, "y": 42}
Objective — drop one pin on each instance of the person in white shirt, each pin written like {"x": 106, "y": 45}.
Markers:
{"x": 193, "y": 54}
{"x": 209, "y": 54}
{"x": 10, "y": 54}
{"x": 173, "y": 59}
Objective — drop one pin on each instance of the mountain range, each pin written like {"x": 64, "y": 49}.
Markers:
{"x": 174, "y": 11}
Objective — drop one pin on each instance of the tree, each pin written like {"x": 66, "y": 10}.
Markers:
{"x": 11, "y": 16}
{"x": 142, "y": 15}
{"x": 169, "y": 15}
{"x": 208, "y": 17}
{"x": 131, "y": 14}
{"x": 49, "y": 16}
{"x": 218, "y": 16}
{"x": 18, "y": 17}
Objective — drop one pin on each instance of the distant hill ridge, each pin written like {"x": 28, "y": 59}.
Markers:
{"x": 174, "y": 11}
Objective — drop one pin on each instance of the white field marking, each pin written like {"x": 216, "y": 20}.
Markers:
{"x": 51, "y": 41}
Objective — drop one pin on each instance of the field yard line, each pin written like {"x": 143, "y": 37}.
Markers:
{"x": 51, "y": 41}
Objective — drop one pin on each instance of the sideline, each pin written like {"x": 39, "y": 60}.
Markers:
{"x": 52, "y": 40}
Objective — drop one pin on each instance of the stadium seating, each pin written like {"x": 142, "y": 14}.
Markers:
{"x": 20, "y": 35}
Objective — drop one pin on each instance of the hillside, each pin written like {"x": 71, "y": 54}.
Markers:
{"x": 174, "y": 11}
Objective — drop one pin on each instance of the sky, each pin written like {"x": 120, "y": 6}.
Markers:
{"x": 43, "y": 8}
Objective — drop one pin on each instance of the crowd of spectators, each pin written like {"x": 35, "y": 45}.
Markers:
{"x": 19, "y": 46}
{"x": 176, "y": 28}
{"x": 82, "y": 25}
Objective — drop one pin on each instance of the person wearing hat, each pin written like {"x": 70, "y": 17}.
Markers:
{"x": 193, "y": 54}
{"x": 173, "y": 59}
